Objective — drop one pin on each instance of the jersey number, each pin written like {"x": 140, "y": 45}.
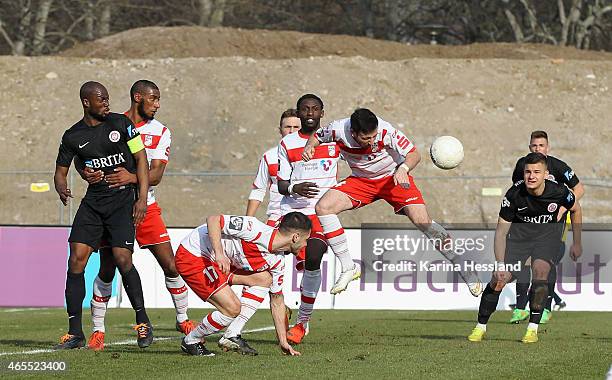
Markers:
{"x": 403, "y": 142}
{"x": 211, "y": 274}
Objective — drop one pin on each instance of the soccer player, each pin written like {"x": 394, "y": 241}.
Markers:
{"x": 381, "y": 159}
{"x": 238, "y": 250}
{"x": 529, "y": 227}
{"x": 303, "y": 184}
{"x": 560, "y": 172}
{"x": 151, "y": 233}
{"x": 266, "y": 173}
{"x": 265, "y": 180}
{"x": 103, "y": 140}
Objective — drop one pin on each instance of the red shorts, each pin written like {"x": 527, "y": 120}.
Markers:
{"x": 315, "y": 233}
{"x": 152, "y": 230}
{"x": 202, "y": 275}
{"x": 364, "y": 191}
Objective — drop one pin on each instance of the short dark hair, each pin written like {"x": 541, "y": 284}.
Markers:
{"x": 363, "y": 121}
{"x": 539, "y": 135}
{"x": 141, "y": 85}
{"x": 295, "y": 221}
{"x": 536, "y": 158}
{"x": 291, "y": 112}
{"x": 89, "y": 88}
{"x": 308, "y": 96}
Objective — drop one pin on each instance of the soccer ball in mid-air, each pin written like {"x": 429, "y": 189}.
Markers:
{"x": 446, "y": 152}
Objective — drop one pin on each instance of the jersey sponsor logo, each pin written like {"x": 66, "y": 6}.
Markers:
{"x": 522, "y": 208}
{"x": 235, "y": 223}
{"x": 114, "y": 136}
{"x": 552, "y": 207}
{"x": 131, "y": 131}
{"x": 540, "y": 219}
{"x": 505, "y": 202}
{"x": 326, "y": 164}
{"x": 81, "y": 146}
{"x": 411, "y": 199}
{"x": 569, "y": 174}
{"x": 104, "y": 162}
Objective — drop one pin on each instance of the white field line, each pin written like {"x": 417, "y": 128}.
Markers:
{"x": 126, "y": 342}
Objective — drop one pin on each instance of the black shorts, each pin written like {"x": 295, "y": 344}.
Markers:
{"x": 109, "y": 216}
{"x": 519, "y": 251}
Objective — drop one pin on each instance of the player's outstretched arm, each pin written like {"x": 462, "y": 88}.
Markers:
{"x": 576, "y": 218}
{"x": 61, "y": 184}
{"x": 277, "y": 307}
{"x": 213, "y": 224}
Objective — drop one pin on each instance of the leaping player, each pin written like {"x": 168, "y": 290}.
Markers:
{"x": 381, "y": 159}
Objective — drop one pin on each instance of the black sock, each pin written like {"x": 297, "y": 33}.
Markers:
{"x": 552, "y": 280}
{"x": 556, "y": 297}
{"x": 488, "y": 304}
{"x": 75, "y": 294}
{"x": 133, "y": 288}
{"x": 523, "y": 278}
{"x": 537, "y": 300}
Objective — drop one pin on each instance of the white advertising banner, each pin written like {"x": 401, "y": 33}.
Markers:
{"x": 580, "y": 285}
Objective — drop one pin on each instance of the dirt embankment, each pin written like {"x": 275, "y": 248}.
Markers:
{"x": 223, "y": 113}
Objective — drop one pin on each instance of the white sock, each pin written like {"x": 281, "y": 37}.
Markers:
{"x": 211, "y": 323}
{"x": 334, "y": 233}
{"x": 311, "y": 283}
{"x": 437, "y": 233}
{"x": 251, "y": 299}
{"x": 101, "y": 294}
{"x": 532, "y": 326}
{"x": 481, "y": 326}
{"x": 179, "y": 293}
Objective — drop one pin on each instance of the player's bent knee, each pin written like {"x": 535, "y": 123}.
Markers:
{"x": 233, "y": 309}
{"x": 540, "y": 269}
{"x": 323, "y": 207}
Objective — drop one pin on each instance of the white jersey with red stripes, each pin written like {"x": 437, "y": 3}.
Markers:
{"x": 322, "y": 170}
{"x": 156, "y": 138}
{"x": 374, "y": 162}
{"x": 266, "y": 179}
{"x": 247, "y": 243}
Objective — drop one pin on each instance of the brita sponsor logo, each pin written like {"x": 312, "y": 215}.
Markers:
{"x": 105, "y": 162}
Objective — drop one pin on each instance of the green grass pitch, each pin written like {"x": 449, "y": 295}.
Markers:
{"x": 365, "y": 344}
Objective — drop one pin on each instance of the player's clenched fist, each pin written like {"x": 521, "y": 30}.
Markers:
{"x": 64, "y": 194}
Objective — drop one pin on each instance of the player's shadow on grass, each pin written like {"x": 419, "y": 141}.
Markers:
{"x": 28, "y": 343}
{"x": 430, "y": 320}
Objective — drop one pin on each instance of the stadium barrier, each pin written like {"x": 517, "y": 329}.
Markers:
{"x": 34, "y": 268}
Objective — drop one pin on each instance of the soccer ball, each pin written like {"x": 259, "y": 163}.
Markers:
{"x": 446, "y": 152}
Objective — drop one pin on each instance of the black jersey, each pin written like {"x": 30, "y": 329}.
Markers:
{"x": 105, "y": 147}
{"x": 558, "y": 171}
{"x": 535, "y": 217}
